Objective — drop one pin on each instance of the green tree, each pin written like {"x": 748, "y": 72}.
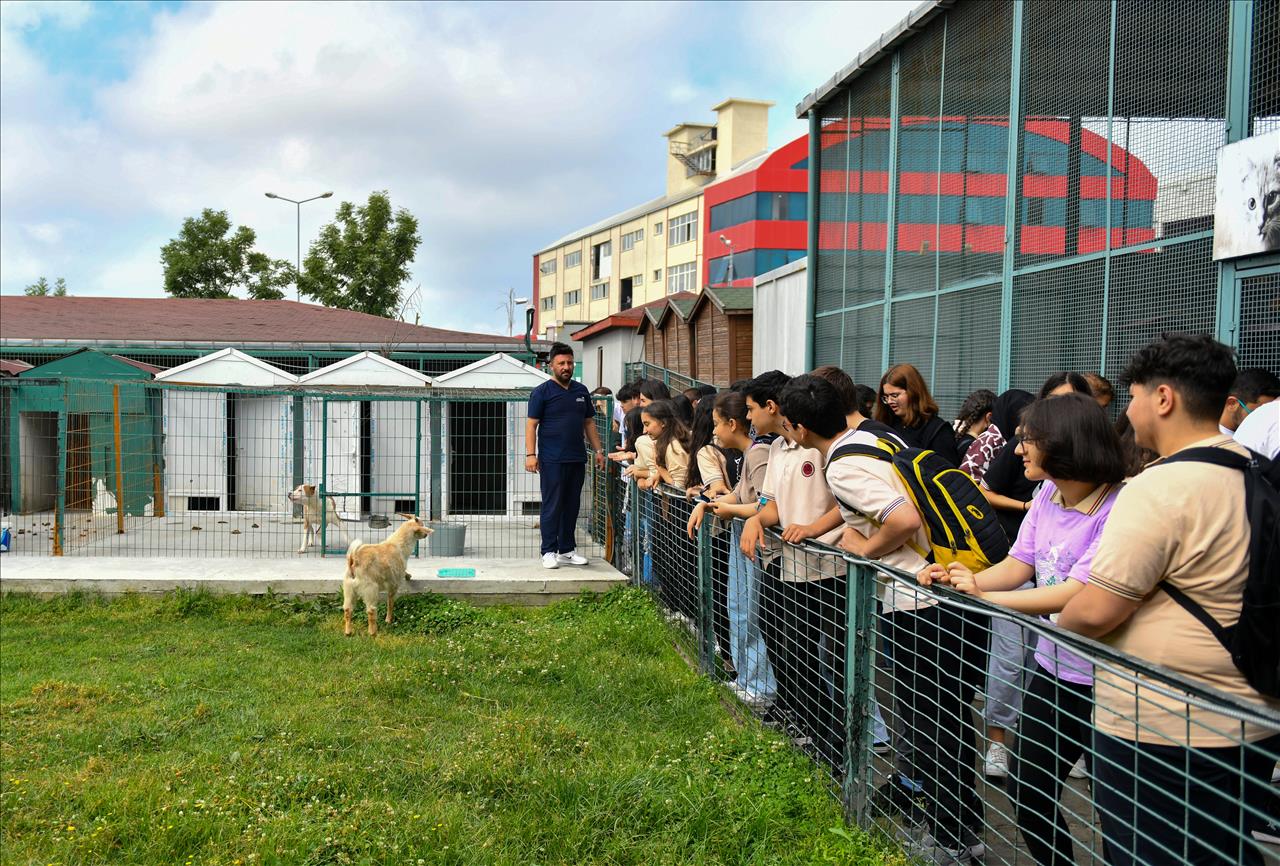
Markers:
{"x": 41, "y": 288}
{"x": 208, "y": 260}
{"x": 361, "y": 259}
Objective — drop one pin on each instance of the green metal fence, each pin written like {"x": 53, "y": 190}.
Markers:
{"x": 990, "y": 253}
{"x": 142, "y": 468}
{"x": 675, "y": 381}
{"x": 890, "y": 701}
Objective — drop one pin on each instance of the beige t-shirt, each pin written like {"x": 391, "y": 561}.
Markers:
{"x": 794, "y": 482}
{"x": 1184, "y": 523}
{"x": 676, "y": 461}
{"x": 868, "y": 491}
{"x": 710, "y": 464}
{"x": 646, "y": 457}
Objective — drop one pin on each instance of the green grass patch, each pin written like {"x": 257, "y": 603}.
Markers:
{"x": 198, "y": 729}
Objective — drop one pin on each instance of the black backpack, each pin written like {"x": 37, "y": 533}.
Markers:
{"x": 1254, "y": 641}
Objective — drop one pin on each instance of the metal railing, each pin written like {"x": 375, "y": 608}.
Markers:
{"x": 886, "y": 685}
{"x": 675, "y": 381}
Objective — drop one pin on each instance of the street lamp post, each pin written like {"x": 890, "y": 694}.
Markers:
{"x": 728, "y": 243}
{"x": 510, "y": 306}
{"x": 298, "y": 252}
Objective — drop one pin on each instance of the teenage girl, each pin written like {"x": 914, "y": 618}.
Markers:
{"x": 670, "y": 445}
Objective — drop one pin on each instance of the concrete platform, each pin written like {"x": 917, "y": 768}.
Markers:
{"x": 496, "y": 581}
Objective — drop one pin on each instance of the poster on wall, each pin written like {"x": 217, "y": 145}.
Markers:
{"x": 1246, "y": 213}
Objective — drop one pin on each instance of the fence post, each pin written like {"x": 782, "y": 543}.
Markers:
{"x": 299, "y": 445}
{"x": 60, "y": 505}
{"x": 115, "y": 424}
{"x": 859, "y": 648}
{"x": 706, "y": 611}
{"x": 324, "y": 472}
{"x": 637, "y": 533}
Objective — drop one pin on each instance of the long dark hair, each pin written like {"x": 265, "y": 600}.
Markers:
{"x": 974, "y": 409}
{"x": 703, "y": 431}
{"x": 673, "y": 429}
{"x": 633, "y": 425}
{"x": 732, "y": 406}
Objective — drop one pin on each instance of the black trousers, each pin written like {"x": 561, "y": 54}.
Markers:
{"x": 1054, "y": 730}
{"x": 1145, "y": 794}
{"x": 561, "y": 486}
{"x": 933, "y": 692}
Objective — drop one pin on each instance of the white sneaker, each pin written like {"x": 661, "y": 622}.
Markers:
{"x": 753, "y": 699}
{"x": 550, "y": 560}
{"x": 571, "y": 558}
{"x": 996, "y": 764}
{"x": 1079, "y": 771}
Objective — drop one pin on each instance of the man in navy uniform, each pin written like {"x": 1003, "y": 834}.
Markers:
{"x": 561, "y": 412}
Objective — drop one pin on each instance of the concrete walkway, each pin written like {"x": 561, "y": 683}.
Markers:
{"x": 496, "y": 581}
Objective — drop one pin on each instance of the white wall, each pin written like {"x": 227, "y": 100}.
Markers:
{"x": 778, "y": 315}
{"x": 621, "y": 346}
{"x": 38, "y": 445}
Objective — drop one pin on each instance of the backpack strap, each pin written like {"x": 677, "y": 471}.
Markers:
{"x": 1227, "y": 459}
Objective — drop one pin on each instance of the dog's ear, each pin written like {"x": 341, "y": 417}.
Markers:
{"x": 309, "y": 489}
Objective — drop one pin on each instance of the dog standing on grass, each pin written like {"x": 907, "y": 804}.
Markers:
{"x": 378, "y": 568}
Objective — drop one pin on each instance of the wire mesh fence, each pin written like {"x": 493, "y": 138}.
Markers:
{"x": 133, "y": 468}
{"x": 894, "y": 701}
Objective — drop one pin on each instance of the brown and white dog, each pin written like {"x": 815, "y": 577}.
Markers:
{"x": 378, "y": 568}
{"x": 310, "y": 499}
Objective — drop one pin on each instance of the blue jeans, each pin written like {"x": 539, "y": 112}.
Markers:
{"x": 746, "y": 644}
{"x": 647, "y": 510}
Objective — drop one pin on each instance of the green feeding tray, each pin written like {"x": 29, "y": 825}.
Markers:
{"x": 456, "y": 572}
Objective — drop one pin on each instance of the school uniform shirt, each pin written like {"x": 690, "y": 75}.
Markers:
{"x": 1260, "y": 430}
{"x": 1059, "y": 541}
{"x": 868, "y": 491}
{"x": 646, "y": 453}
{"x": 710, "y": 464}
{"x": 1184, "y": 524}
{"x": 794, "y": 482}
{"x": 676, "y": 462}
{"x": 560, "y": 413}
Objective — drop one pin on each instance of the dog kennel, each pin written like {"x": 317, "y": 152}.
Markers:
{"x": 484, "y": 439}
{"x": 229, "y": 449}
{"x": 373, "y": 449}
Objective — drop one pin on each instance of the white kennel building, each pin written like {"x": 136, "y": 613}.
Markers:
{"x": 227, "y": 451}
{"x": 372, "y": 445}
{"x": 484, "y": 440}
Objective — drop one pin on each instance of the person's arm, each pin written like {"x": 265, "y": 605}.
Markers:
{"x": 1038, "y": 601}
{"x": 531, "y": 445}
{"x": 1095, "y": 612}
{"x": 753, "y": 530}
{"x": 593, "y": 436}
{"x": 727, "y": 510}
{"x": 896, "y": 531}
{"x": 1005, "y": 503}
{"x": 824, "y": 524}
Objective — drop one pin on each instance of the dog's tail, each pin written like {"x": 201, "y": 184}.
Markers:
{"x": 351, "y": 557}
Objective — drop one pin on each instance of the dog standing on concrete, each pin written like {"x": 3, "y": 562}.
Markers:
{"x": 310, "y": 499}
{"x": 376, "y": 568}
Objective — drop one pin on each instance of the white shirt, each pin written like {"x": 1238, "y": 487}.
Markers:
{"x": 1260, "y": 430}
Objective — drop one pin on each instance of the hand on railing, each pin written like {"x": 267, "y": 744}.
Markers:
{"x": 798, "y": 532}
{"x": 695, "y": 519}
{"x": 853, "y": 541}
{"x": 752, "y": 538}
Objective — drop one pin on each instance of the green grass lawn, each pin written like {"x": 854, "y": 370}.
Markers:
{"x": 192, "y": 729}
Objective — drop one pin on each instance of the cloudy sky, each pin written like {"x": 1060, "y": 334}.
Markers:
{"x": 501, "y": 126}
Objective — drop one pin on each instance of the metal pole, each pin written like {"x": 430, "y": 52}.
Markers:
{"x": 417, "y": 464}
{"x": 859, "y": 647}
{"x": 811, "y": 265}
{"x": 324, "y": 470}
{"x": 1011, "y": 202}
{"x": 705, "y": 610}
{"x": 297, "y": 254}
{"x": 115, "y": 406}
{"x": 60, "y": 505}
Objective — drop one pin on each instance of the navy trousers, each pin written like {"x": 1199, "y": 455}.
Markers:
{"x": 561, "y": 485}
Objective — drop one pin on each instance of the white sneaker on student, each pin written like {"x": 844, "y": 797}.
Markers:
{"x": 550, "y": 560}
{"x": 996, "y": 764}
{"x": 1079, "y": 771}
{"x": 571, "y": 558}
{"x": 753, "y": 699}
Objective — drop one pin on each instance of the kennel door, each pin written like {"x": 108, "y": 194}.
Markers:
{"x": 264, "y": 446}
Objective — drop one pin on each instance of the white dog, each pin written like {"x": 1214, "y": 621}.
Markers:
{"x": 378, "y": 568}
{"x": 306, "y": 494}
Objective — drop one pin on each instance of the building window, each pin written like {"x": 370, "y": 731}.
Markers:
{"x": 599, "y": 290}
{"x": 657, "y": 275}
{"x": 682, "y": 229}
{"x": 702, "y": 162}
{"x": 571, "y": 299}
{"x": 682, "y": 278}
{"x": 547, "y": 267}
{"x": 637, "y": 280}
{"x": 602, "y": 261}
{"x": 758, "y": 206}
{"x": 548, "y": 303}
{"x": 573, "y": 259}
{"x": 630, "y": 239}
{"x": 657, "y": 228}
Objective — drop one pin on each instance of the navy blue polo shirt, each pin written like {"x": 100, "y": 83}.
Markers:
{"x": 560, "y": 413}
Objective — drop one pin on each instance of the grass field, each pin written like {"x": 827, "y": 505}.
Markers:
{"x": 193, "y": 729}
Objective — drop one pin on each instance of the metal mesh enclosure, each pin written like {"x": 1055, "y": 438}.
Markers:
{"x": 1104, "y": 181}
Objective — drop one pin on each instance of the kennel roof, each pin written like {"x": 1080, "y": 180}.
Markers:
{"x": 228, "y": 367}
{"x": 215, "y": 323}
{"x": 496, "y": 371}
{"x": 367, "y": 368}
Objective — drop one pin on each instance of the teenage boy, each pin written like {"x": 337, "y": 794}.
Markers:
{"x": 881, "y": 523}
{"x": 1252, "y": 387}
{"x": 628, "y": 394}
{"x": 1170, "y": 775}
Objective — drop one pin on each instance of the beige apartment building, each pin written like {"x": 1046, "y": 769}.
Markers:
{"x": 656, "y": 248}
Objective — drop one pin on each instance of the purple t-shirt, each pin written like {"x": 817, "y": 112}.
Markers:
{"x": 1059, "y": 544}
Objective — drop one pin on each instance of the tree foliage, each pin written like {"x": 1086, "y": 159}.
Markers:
{"x": 361, "y": 260}
{"x": 208, "y": 260}
{"x": 41, "y": 289}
